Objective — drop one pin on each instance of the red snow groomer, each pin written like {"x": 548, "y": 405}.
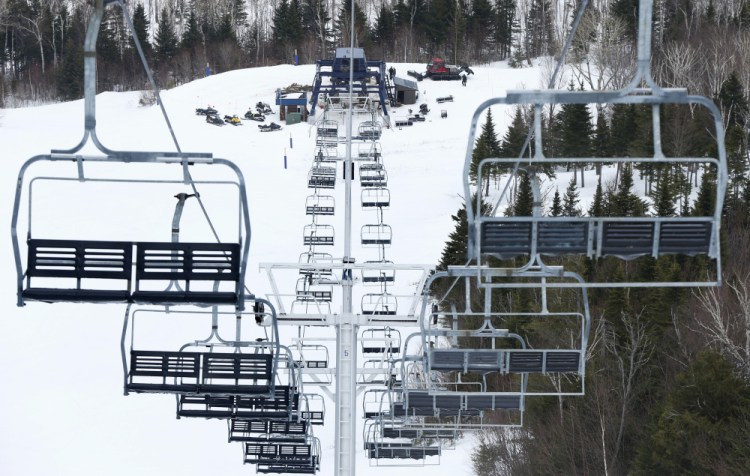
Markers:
{"x": 438, "y": 70}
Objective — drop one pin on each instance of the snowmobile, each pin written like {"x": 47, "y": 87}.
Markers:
{"x": 214, "y": 119}
{"x": 415, "y": 75}
{"x": 269, "y": 127}
{"x": 255, "y": 116}
{"x": 423, "y": 108}
{"x": 263, "y": 108}
{"x": 205, "y": 112}
{"x": 233, "y": 120}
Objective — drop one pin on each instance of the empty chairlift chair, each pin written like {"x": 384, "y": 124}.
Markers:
{"x": 321, "y": 177}
{"x": 370, "y": 130}
{"x": 378, "y": 272}
{"x": 308, "y": 290}
{"x": 264, "y": 430}
{"x": 211, "y": 368}
{"x": 319, "y": 264}
{"x": 369, "y": 151}
{"x": 318, "y": 235}
{"x": 313, "y": 408}
{"x": 379, "y": 304}
{"x": 133, "y": 271}
{"x": 327, "y": 134}
{"x": 384, "y": 340}
{"x": 376, "y": 235}
{"x": 96, "y": 270}
{"x": 622, "y": 236}
{"x": 372, "y": 175}
{"x": 376, "y": 198}
{"x": 484, "y": 341}
{"x": 320, "y": 205}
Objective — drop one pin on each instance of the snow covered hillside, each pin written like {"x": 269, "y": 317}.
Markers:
{"x": 61, "y": 403}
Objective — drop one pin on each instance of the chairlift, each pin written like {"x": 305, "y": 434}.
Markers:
{"x": 379, "y": 304}
{"x": 325, "y": 260}
{"x": 326, "y": 153}
{"x": 372, "y": 175}
{"x": 378, "y": 272}
{"x": 308, "y": 290}
{"x": 326, "y": 135}
{"x": 624, "y": 237}
{"x": 376, "y": 197}
{"x": 386, "y": 340}
{"x": 313, "y": 408}
{"x": 378, "y": 446}
{"x": 101, "y": 271}
{"x": 370, "y": 130}
{"x": 265, "y": 429}
{"x": 484, "y": 342}
{"x": 374, "y": 403}
{"x": 377, "y": 371}
{"x": 319, "y": 205}
{"x": 228, "y": 368}
{"x": 321, "y": 177}
{"x": 369, "y": 151}
{"x": 318, "y": 235}
{"x": 311, "y": 356}
{"x": 376, "y": 235}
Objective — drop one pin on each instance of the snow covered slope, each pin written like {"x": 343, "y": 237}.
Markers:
{"x": 61, "y": 403}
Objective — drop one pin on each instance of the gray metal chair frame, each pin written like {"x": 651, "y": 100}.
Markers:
{"x": 188, "y": 372}
{"x": 568, "y": 358}
{"x": 85, "y": 266}
{"x": 624, "y": 237}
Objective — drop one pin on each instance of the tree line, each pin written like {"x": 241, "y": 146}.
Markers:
{"x": 41, "y": 40}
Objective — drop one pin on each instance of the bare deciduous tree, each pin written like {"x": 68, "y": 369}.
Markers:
{"x": 726, "y": 323}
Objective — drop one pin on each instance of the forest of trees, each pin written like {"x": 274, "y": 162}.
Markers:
{"x": 698, "y": 43}
{"x": 668, "y": 369}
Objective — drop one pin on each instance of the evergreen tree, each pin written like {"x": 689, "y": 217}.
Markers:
{"x": 70, "y": 75}
{"x": 238, "y": 14}
{"x": 361, "y": 29}
{"x": 705, "y": 202}
{"x": 664, "y": 196}
{"x": 597, "y": 205}
{"x": 505, "y": 24}
{"x": 486, "y": 146}
{"x": 539, "y": 28}
{"x": 287, "y": 28}
{"x": 314, "y": 20}
{"x": 575, "y": 129}
{"x": 600, "y": 145}
{"x": 165, "y": 41}
{"x": 734, "y": 108}
{"x": 570, "y": 200}
{"x": 141, "y": 26}
{"x": 704, "y": 425}
{"x": 435, "y": 26}
{"x": 224, "y": 31}
{"x": 192, "y": 37}
{"x": 524, "y": 203}
{"x": 556, "y": 209}
{"x": 515, "y": 137}
{"x": 481, "y": 24}
{"x": 622, "y": 129}
{"x": 625, "y": 202}
{"x": 456, "y": 248}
